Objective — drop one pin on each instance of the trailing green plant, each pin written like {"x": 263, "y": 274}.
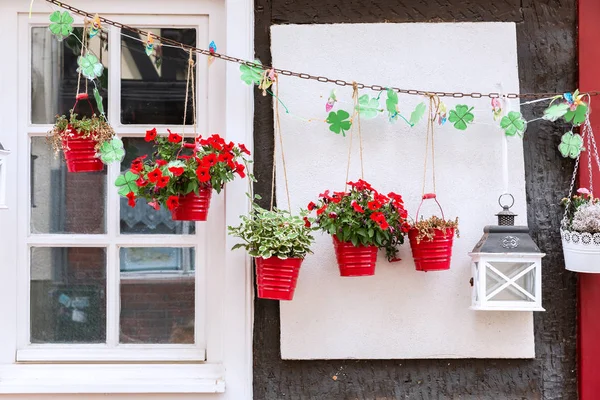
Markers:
{"x": 363, "y": 217}
{"x": 94, "y": 127}
{"x": 275, "y": 233}
{"x": 427, "y": 227}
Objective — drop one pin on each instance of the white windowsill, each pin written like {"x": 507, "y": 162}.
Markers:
{"x": 111, "y": 378}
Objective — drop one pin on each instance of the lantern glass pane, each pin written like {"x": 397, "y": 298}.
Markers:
{"x": 476, "y": 281}
{"x": 503, "y": 274}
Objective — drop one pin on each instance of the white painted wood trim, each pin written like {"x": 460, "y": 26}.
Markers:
{"x": 104, "y": 353}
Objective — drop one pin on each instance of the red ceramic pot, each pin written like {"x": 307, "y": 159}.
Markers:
{"x": 432, "y": 254}
{"x": 276, "y": 278}
{"x": 80, "y": 153}
{"x": 355, "y": 260}
{"x": 192, "y": 206}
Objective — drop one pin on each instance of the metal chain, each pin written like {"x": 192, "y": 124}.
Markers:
{"x": 588, "y": 126}
{"x": 589, "y": 158}
{"x": 318, "y": 78}
{"x": 565, "y": 221}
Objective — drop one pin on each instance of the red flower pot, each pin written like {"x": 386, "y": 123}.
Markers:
{"x": 276, "y": 278}
{"x": 435, "y": 254}
{"x": 355, "y": 260}
{"x": 193, "y": 207}
{"x": 80, "y": 153}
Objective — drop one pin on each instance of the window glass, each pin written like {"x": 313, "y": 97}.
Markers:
{"x": 153, "y": 87}
{"x": 157, "y": 295}
{"x": 54, "y": 74}
{"x": 68, "y": 286}
{"x": 63, "y": 202}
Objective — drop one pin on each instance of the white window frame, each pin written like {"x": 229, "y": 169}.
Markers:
{"x": 228, "y": 307}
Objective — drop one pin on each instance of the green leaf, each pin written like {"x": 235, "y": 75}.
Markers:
{"x": 339, "y": 122}
{"x": 61, "y": 24}
{"x": 578, "y": 116}
{"x": 112, "y": 150}
{"x": 571, "y": 145}
{"x": 367, "y": 107}
{"x": 513, "y": 124}
{"x": 89, "y": 66}
{"x": 98, "y": 99}
{"x": 391, "y": 103}
{"x": 417, "y": 114}
{"x": 126, "y": 183}
{"x": 461, "y": 116}
{"x": 251, "y": 75}
{"x": 556, "y": 111}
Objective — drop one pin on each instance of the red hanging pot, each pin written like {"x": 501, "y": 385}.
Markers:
{"x": 192, "y": 206}
{"x": 355, "y": 260}
{"x": 276, "y": 278}
{"x": 432, "y": 254}
{"x": 80, "y": 153}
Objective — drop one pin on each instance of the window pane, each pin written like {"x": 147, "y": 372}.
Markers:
{"x": 54, "y": 74}
{"x": 510, "y": 270}
{"x": 64, "y": 202}
{"x": 157, "y": 295}
{"x": 143, "y": 219}
{"x": 68, "y": 287}
{"x": 153, "y": 88}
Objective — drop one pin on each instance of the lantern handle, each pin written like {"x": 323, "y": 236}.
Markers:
{"x": 504, "y": 205}
{"x": 430, "y": 196}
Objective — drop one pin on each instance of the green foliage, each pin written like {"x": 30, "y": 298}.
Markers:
{"x": 417, "y": 114}
{"x": 126, "y": 183}
{"x": 368, "y": 107}
{"x": 61, "y": 24}
{"x": 95, "y": 128}
{"x": 427, "y": 227}
{"x": 461, "y": 116}
{"x": 339, "y": 122}
{"x": 251, "y": 75}
{"x": 513, "y": 124}
{"x": 274, "y": 233}
{"x": 571, "y": 145}
{"x": 89, "y": 66}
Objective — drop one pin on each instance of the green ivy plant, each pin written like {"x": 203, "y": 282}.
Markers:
{"x": 275, "y": 233}
{"x": 513, "y": 124}
{"x": 339, "y": 122}
{"x": 461, "y": 116}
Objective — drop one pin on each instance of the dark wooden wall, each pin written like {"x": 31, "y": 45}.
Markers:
{"x": 547, "y": 36}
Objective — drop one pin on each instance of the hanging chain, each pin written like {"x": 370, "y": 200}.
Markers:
{"x": 318, "y": 78}
{"x": 565, "y": 221}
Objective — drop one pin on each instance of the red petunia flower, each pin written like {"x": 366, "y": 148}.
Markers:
{"x": 306, "y": 222}
{"x": 379, "y": 218}
{"x": 203, "y": 174}
{"x": 405, "y": 227}
{"x": 172, "y": 202}
{"x": 332, "y": 215}
{"x": 161, "y": 163}
{"x": 381, "y": 198}
{"x": 155, "y": 175}
{"x": 337, "y": 197}
{"x": 325, "y": 195}
{"x": 311, "y": 206}
{"x": 374, "y": 205}
{"x": 137, "y": 167}
{"x": 163, "y": 181}
{"x": 141, "y": 182}
{"x": 229, "y": 146}
{"x": 209, "y": 160}
{"x": 131, "y": 199}
{"x": 243, "y": 148}
{"x": 225, "y": 157}
{"x": 150, "y": 135}
{"x": 239, "y": 168}
{"x": 176, "y": 171}
{"x": 154, "y": 204}
{"x": 357, "y": 207}
{"x": 321, "y": 210}
{"x": 174, "y": 138}
{"x": 396, "y": 197}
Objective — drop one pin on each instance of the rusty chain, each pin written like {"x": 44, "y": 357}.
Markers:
{"x": 301, "y": 75}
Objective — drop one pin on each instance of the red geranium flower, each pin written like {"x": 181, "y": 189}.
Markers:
{"x": 311, "y": 206}
{"x": 172, "y": 202}
{"x": 177, "y": 171}
{"x": 141, "y": 182}
{"x": 151, "y": 135}
{"x": 243, "y": 148}
{"x": 203, "y": 174}
{"x": 174, "y": 138}
{"x": 209, "y": 160}
{"x": 357, "y": 207}
{"x": 239, "y": 168}
{"x": 321, "y": 210}
{"x": 306, "y": 222}
{"x": 374, "y": 205}
{"x": 163, "y": 181}
{"x": 155, "y": 175}
{"x": 131, "y": 199}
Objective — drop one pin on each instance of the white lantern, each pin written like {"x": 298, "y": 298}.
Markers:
{"x": 3, "y": 154}
{"x": 507, "y": 268}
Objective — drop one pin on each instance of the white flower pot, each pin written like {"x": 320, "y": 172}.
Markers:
{"x": 582, "y": 251}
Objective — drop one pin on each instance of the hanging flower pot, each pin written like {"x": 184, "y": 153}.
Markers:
{"x": 355, "y": 260}
{"x": 279, "y": 241}
{"x": 361, "y": 221}
{"x": 182, "y": 174}
{"x": 431, "y": 240}
{"x": 192, "y": 206}
{"x": 87, "y": 143}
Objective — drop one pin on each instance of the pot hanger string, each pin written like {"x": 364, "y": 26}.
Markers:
{"x": 190, "y": 77}
{"x": 434, "y": 104}
{"x": 277, "y": 134}
{"x": 356, "y": 117}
